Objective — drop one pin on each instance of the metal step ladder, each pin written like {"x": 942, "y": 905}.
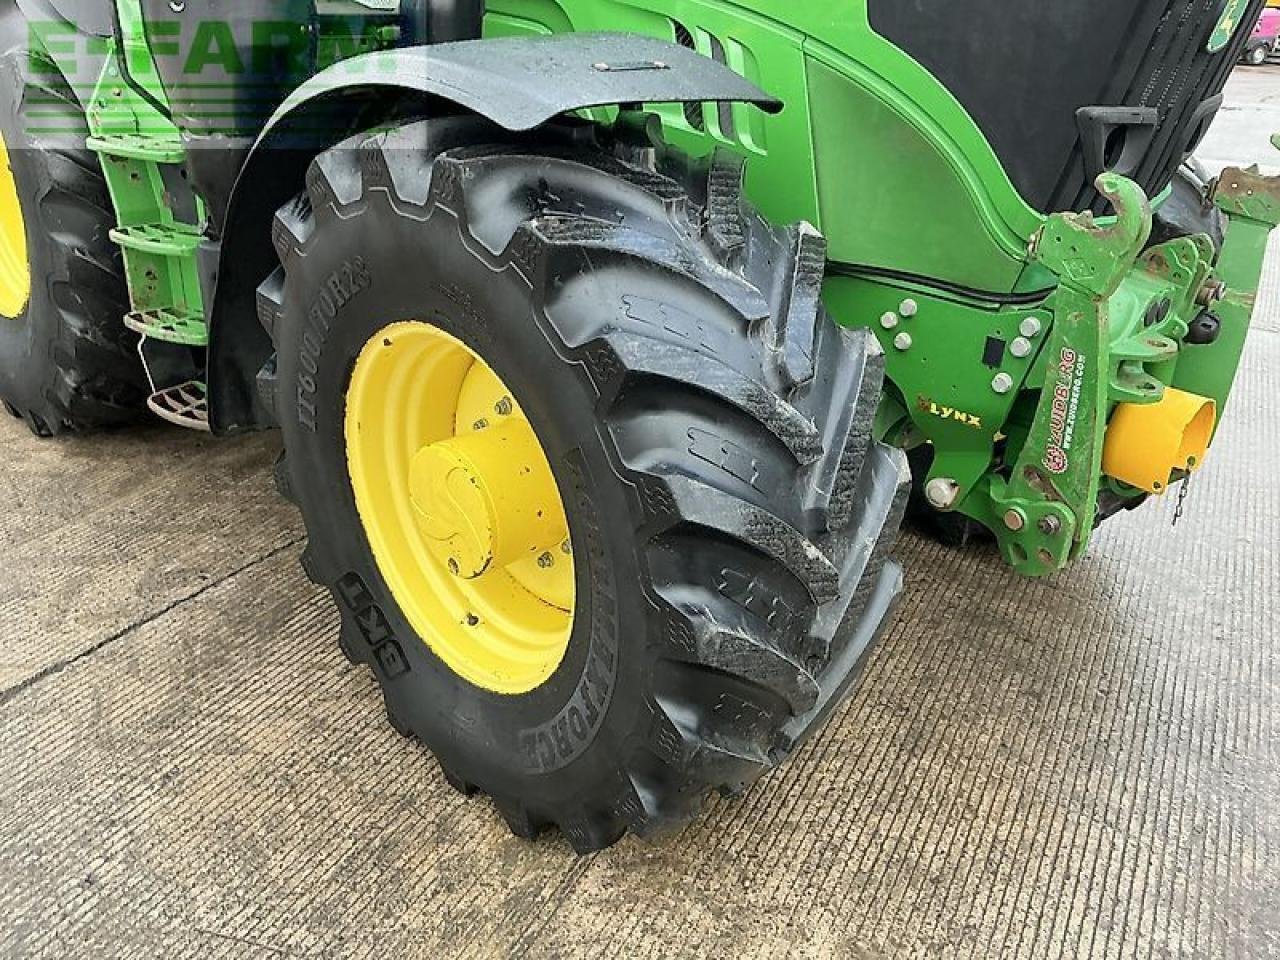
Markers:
{"x": 160, "y": 226}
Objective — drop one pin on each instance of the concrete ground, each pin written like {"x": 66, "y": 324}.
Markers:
{"x": 1250, "y": 114}
{"x": 1077, "y": 767}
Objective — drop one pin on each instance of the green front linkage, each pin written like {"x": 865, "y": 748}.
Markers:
{"x": 1110, "y": 344}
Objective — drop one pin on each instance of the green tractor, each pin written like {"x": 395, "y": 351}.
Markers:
{"x": 605, "y": 337}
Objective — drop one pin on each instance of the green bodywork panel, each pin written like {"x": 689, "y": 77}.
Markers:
{"x": 871, "y": 149}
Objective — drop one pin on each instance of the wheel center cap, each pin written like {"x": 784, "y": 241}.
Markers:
{"x": 483, "y": 498}
{"x": 453, "y": 510}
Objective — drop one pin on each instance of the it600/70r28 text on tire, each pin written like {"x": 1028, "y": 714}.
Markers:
{"x": 609, "y": 343}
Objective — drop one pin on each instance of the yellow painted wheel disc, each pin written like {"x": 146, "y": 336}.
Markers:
{"x": 460, "y": 507}
{"x": 15, "y": 273}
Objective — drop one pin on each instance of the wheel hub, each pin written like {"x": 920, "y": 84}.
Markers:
{"x": 486, "y": 497}
{"x": 460, "y": 507}
{"x": 15, "y": 273}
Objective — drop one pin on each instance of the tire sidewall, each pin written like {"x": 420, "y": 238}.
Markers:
{"x": 19, "y": 368}
{"x": 358, "y": 274}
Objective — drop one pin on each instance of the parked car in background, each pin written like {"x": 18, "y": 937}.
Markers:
{"x": 1266, "y": 36}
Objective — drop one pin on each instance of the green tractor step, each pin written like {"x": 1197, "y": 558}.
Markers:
{"x": 164, "y": 150}
{"x": 138, "y": 147}
{"x": 185, "y": 327}
{"x": 161, "y": 239}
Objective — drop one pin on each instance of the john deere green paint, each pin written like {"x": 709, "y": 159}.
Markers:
{"x": 1233, "y": 15}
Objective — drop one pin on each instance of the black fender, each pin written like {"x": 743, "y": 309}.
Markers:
{"x": 518, "y": 83}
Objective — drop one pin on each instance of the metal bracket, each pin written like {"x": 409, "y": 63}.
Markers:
{"x": 1248, "y": 193}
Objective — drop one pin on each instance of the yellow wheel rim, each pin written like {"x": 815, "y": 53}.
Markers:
{"x": 460, "y": 507}
{"x": 15, "y": 273}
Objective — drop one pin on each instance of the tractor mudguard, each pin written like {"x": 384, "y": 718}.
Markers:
{"x": 518, "y": 83}
{"x": 522, "y": 82}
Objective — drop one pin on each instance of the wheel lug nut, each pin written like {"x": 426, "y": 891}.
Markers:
{"x": 503, "y": 407}
{"x": 480, "y": 424}
{"x": 565, "y": 548}
{"x": 546, "y": 560}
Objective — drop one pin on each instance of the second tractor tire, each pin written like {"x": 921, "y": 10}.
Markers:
{"x": 707, "y": 425}
{"x": 67, "y": 361}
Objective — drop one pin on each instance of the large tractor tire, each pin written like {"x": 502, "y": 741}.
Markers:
{"x": 586, "y": 468}
{"x": 67, "y": 361}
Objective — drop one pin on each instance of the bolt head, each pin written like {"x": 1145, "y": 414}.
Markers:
{"x": 1049, "y": 525}
{"x": 1030, "y": 327}
{"x": 889, "y": 320}
{"x": 941, "y": 492}
{"x": 909, "y": 308}
{"x": 1212, "y": 292}
{"x": 903, "y": 341}
{"x": 1014, "y": 520}
{"x": 1002, "y": 383}
{"x": 1021, "y": 347}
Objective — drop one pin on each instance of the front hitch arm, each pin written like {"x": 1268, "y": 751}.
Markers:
{"x": 1043, "y": 514}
